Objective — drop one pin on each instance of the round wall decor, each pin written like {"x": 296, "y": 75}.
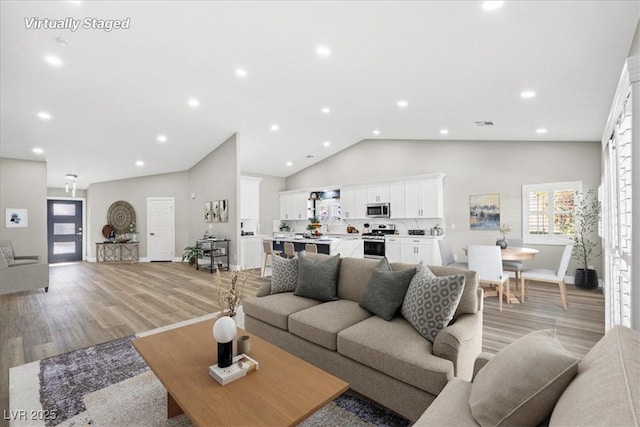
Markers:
{"x": 121, "y": 215}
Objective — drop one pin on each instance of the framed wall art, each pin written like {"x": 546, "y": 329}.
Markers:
{"x": 215, "y": 211}
{"x": 484, "y": 212}
{"x": 224, "y": 210}
{"x": 208, "y": 211}
{"x": 16, "y": 218}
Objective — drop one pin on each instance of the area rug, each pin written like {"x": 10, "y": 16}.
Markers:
{"x": 110, "y": 385}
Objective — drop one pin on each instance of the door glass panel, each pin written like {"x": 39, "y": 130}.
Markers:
{"x": 64, "y": 228}
{"x": 64, "y": 209}
{"x": 64, "y": 248}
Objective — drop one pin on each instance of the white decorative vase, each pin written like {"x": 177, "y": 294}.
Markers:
{"x": 224, "y": 331}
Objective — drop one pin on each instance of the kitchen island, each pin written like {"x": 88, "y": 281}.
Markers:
{"x": 347, "y": 246}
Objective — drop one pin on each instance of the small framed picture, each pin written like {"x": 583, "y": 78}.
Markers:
{"x": 208, "y": 211}
{"x": 215, "y": 211}
{"x": 484, "y": 212}
{"x": 16, "y": 218}
{"x": 224, "y": 210}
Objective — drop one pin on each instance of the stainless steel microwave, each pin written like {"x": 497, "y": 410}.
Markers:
{"x": 378, "y": 210}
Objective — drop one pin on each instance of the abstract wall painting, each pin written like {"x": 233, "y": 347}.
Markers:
{"x": 16, "y": 218}
{"x": 484, "y": 212}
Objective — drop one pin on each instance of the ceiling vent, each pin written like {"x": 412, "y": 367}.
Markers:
{"x": 484, "y": 123}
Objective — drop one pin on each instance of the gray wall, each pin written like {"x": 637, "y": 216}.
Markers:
{"x": 135, "y": 191}
{"x": 472, "y": 167}
{"x": 23, "y": 185}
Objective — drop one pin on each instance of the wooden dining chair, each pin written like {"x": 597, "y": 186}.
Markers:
{"x": 289, "y": 250}
{"x": 311, "y": 247}
{"x": 267, "y": 248}
{"x": 486, "y": 261}
{"x": 549, "y": 276}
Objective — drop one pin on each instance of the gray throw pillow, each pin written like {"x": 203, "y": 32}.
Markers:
{"x": 284, "y": 276}
{"x": 431, "y": 301}
{"x": 521, "y": 384}
{"x": 318, "y": 279}
{"x": 8, "y": 254}
{"x": 386, "y": 290}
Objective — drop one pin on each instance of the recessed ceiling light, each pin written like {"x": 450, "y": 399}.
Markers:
{"x": 323, "y": 51}
{"x": 541, "y": 130}
{"x": 326, "y": 110}
{"x": 37, "y": 150}
{"x": 53, "y": 60}
{"x": 444, "y": 131}
{"x": 402, "y": 103}
{"x": 527, "y": 94}
{"x": 43, "y": 115}
{"x": 241, "y": 72}
{"x": 492, "y": 5}
{"x": 139, "y": 163}
{"x": 275, "y": 128}
{"x": 162, "y": 138}
{"x": 193, "y": 102}
{"x": 289, "y": 163}
{"x": 376, "y": 132}
{"x": 326, "y": 143}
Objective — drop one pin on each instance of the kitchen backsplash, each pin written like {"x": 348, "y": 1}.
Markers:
{"x": 402, "y": 225}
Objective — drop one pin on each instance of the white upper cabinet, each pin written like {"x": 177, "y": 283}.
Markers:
{"x": 250, "y": 197}
{"x": 396, "y": 199}
{"x": 424, "y": 197}
{"x": 379, "y": 192}
{"x": 353, "y": 201}
{"x": 294, "y": 204}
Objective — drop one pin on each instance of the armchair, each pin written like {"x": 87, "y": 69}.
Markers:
{"x": 21, "y": 273}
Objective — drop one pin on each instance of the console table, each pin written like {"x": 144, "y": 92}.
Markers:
{"x": 117, "y": 252}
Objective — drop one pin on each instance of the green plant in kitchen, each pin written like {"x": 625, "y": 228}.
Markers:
{"x": 586, "y": 244}
{"x": 191, "y": 254}
{"x": 284, "y": 226}
{"x": 314, "y": 223}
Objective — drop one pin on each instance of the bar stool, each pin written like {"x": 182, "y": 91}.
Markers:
{"x": 267, "y": 248}
{"x": 311, "y": 247}
{"x": 289, "y": 250}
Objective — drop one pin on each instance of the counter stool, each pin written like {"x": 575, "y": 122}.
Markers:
{"x": 311, "y": 247}
{"x": 289, "y": 250}
{"x": 267, "y": 248}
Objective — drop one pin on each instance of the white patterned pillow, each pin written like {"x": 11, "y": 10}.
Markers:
{"x": 284, "y": 276}
{"x": 8, "y": 254}
{"x": 431, "y": 301}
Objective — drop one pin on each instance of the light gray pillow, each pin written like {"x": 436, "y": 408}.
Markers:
{"x": 386, "y": 290}
{"x": 284, "y": 276}
{"x": 431, "y": 301}
{"x": 8, "y": 254}
{"x": 521, "y": 384}
{"x": 318, "y": 279}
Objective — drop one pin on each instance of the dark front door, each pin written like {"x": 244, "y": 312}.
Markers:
{"x": 64, "y": 223}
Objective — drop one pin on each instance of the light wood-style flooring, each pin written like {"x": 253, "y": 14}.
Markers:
{"x": 91, "y": 303}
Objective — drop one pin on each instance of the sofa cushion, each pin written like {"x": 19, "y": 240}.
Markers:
{"x": 451, "y": 408}
{"x": 606, "y": 390}
{"x": 317, "y": 278}
{"x": 354, "y": 277}
{"x": 284, "y": 276}
{"x": 522, "y": 383}
{"x": 320, "y": 324}
{"x": 396, "y": 349}
{"x": 275, "y": 309}
{"x": 386, "y": 290}
{"x": 431, "y": 301}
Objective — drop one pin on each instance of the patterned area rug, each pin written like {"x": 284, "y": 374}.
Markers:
{"x": 110, "y": 384}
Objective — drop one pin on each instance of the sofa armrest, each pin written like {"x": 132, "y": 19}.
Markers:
{"x": 461, "y": 343}
{"x": 3, "y": 262}
{"x": 33, "y": 257}
{"x": 482, "y": 359}
{"x": 264, "y": 290}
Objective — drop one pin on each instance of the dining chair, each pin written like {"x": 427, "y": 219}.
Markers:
{"x": 289, "y": 250}
{"x": 549, "y": 276}
{"x": 311, "y": 247}
{"x": 267, "y": 248}
{"x": 446, "y": 253}
{"x": 515, "y": 267}
{"x": 486, "y": 261}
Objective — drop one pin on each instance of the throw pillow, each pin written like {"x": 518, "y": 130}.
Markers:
{"x": 318, "y": 279}
{"x": 8, "y": 254}
{"x": 386, "y": 290}
{"x": 522, "y": 382}
{"x": 431, "y": 301}
{"x": 284, "y": 274}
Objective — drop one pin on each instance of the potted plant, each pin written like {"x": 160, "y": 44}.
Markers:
{"x": 504, "y": 229}
{"x": 586, "y": 245}
{"x": 314, "y": 225}
{"x": 191, "y": 254}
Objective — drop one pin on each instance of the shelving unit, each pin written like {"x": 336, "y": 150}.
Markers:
{"x": 215, "y": 254}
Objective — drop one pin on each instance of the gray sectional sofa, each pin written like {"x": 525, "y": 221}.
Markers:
{"x": 389, "y": 362}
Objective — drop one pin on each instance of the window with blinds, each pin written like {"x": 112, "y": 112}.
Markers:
{"x": 548, "y": 212}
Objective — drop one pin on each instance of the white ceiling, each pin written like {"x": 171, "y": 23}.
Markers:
{"x": 453, "y": 62}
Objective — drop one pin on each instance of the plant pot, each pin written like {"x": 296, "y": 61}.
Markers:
{"x": 586, "y": 279}
{"x": 502, "y": 243}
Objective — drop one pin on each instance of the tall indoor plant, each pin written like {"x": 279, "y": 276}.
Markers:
{"x": 586, "y": 244}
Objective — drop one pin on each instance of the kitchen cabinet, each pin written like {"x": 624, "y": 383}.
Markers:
{"x": 424, "y": 197}
{"x": 353, "y": 201}
{"x": 416, "y": 249}
{"x": 396, "y": 199}
{"x": 378, "y": 192}
{"x": 392, "y": 249}
{"x": 294, "y": 204}
{"x": 250, "y": 197}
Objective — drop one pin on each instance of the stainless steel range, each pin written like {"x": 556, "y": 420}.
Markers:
{"x": 374, "y": 240}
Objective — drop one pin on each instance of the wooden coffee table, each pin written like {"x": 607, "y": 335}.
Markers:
{"x": 284, "y": 391}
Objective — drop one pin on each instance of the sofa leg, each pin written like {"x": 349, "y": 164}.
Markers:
{"x": 46, "y": 289}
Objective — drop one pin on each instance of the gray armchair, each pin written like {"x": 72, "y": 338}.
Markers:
{"x": 21, "y": 273}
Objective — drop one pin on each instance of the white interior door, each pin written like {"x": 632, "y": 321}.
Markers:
{"x": 160, "y": 228}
